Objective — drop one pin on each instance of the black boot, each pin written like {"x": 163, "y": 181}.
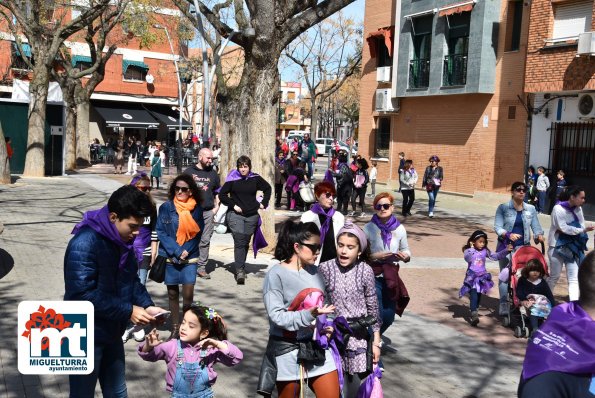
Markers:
{"x": 241, "y": 276}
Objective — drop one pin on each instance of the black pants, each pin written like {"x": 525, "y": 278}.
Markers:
{"x": 343, "y": 196}
{"x": 278, "y": 194}
{"x": 361, "y": 194}
{"x": 408, "y": 199}
{"x": 242, "y": 228}
{"x": 352, "y": 384}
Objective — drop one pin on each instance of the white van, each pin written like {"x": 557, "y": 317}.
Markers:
{"x": 295, "y": 133}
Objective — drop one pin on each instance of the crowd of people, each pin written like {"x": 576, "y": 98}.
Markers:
{"x": 333, "y": 290}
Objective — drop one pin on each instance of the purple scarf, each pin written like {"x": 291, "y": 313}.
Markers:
{"x": 564, "y": 343}
{"x": 566, "y": 206}
{"x": 337, "y": 337}
{"x": 386, "y": 228}
{"x": 365, "y": 389}
{"x": 317, "y": 209}
{"x": 258, "y": 242}
{"x": 98, "y": 220}
{"x": 328, "y": 176}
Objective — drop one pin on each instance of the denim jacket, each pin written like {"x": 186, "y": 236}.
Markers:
{"x": 167, "y": 226}
{"x": 506, "y": 216}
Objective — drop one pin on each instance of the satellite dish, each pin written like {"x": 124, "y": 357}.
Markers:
{"x": 149, "y": 79}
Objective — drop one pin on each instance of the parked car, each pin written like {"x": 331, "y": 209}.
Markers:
{"x": 324, "y": 145}
{"x": 295, "y": 133}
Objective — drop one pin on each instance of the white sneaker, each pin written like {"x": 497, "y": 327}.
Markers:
{"x": 125, "y": 336}
{"x": 350, "y": 214}
{"x": 139, "y": 336}
{"x": 128, "y": 174}
{"x": 362, "y": 214}
{"x": 431, "y": 214}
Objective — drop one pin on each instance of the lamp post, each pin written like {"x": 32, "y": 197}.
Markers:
{"x": 180, "y": 99}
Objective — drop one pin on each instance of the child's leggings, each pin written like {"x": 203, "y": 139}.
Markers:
{"x": 474, "y": 298}
{"x": 326, "y": 385}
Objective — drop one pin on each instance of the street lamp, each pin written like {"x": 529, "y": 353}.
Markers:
{"x": 180, "y": 98}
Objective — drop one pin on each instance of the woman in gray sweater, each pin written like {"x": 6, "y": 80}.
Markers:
{"x": 293, "y": 295}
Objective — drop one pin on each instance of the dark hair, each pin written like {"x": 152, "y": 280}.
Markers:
{"x": 533, "y": 265}
{"x": 408, "y": 162}
{"x": 6, "y": 138}
{"x": 531, "y": 169}
{"x": 290, "y": 234}
{"x": 324, "y": 186}
{"x": 517, "y": 184}
{"x": 127, "y": 201}
{"x": 561, "y": 172}
{"x": 541, "y": 168}
{"x": 570, "y": 191}
{"x": 215, "y": 326}
{"x": 586, "y": 281}
{"x": 342, "y": 156}
{"x": 196, "y": 194}
{"x": 474, "y": 236}
{"x": 244, "y": 160}
{"x": 363, "y": 163}
{"x": 366, "y": 254}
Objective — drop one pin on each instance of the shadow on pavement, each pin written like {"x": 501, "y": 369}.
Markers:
{"x": 6, "y": 263}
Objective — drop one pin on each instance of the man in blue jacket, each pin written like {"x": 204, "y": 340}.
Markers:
{"x": 100, "y": 267}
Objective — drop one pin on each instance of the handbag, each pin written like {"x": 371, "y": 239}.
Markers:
{"x": 157, "y": 272}
{"x": 310, "y": 353}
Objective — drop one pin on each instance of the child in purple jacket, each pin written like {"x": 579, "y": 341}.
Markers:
{"x": 478, "y": 280}
{"x": 190, "y": 359}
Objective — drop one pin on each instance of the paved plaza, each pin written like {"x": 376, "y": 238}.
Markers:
{"x": 439, "y": 354}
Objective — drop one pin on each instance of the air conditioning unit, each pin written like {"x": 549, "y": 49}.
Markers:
{"x": 385, "y": 102}
{"x": 586, "y": 106}
{"x": 586, "y": 44}
{"x": 383, "y": 74}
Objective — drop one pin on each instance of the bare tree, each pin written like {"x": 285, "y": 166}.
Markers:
{"x": 4, "y": 161}
{"x": 327, "y": 54}
{"x": 248, "y": 111}
{"x": 46, "y": 27}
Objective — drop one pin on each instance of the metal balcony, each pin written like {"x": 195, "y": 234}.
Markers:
{"x": 455, "y": 70}
{"x": 419, "y": 73}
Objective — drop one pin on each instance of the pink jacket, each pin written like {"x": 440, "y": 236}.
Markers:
{"x": 168, "y": 352}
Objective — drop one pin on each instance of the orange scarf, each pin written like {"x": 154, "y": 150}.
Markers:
{"x": 187, "y": 227}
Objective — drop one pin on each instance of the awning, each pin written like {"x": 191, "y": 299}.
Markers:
{"x": 169, "y": 117}
{"x": 26, "y": 49}
{"x": 456, "y": 8}
{"x": 139, "y": 64}
{"x": 121, "y": 114}
{"x": 387, "y": 34}
{"x": 80, "y": 59}
{"x": 421, "y": 13}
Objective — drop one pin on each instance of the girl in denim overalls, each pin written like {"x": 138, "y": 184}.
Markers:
{"x": 190, "y": 358}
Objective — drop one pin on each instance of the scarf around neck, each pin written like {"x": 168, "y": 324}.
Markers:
{"x": 235, "y": 175}
{"x": 318, "y": 209}
{"x": 98, "y": 220}
{"x": 566, "y": 206}
{"x": 187, "y": 227}
{"x": 386, "y": 228}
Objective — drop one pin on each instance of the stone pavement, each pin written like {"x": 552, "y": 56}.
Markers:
{"x": 434, "y": 359}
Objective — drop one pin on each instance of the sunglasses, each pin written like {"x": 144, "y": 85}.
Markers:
{"x": 384, "y": 206}
{"x": 144, "y": 189}
{"x": 312, "y": 246}
{"x": 519, "y": 189}
{"x": 182, "y": 189}
{"x": 328, "y": 195}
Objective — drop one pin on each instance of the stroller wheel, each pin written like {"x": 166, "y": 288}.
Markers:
{"x": 527, "y": 332}
{"x": 518, "y": 332}
{"x": 506, "y": 321}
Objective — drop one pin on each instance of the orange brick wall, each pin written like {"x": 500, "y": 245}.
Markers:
{"x": 474, "y": 158}
{"x": 554, "y": 69}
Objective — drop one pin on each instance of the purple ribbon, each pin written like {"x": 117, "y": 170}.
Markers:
{"x": 564, "y": 343}
{"x": 98, "y": 220}
{"x": 365, "y": 389}
{"x": 318, "y": 209}
{"x": 566, "y": 206}
{"x": 328, "y": 176}
{"x": 235, "y": 175}
{"x": 386, "y": 228}
{"x": 324, "y": 342}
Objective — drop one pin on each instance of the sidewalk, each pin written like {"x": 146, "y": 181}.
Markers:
{"x": 434, "y": 359}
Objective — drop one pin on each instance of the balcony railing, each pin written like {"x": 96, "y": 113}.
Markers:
{"x": 419, "y": 73}
{"x": 455, "y": 70}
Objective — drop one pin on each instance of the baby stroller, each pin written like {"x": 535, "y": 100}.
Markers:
{"x": 307, "y": 194}
{"x": 517, "y": 312}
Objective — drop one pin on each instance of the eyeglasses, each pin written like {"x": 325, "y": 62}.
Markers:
{"x": 384, "y": 206}
{"x": 294, "y": 154}
{"x": 182, "y": 189}
{"x": 328, "y": 195}
{"x": 315, "y": 247}
{"x": 144, "y": 189}
{"x": 520, "y": 189}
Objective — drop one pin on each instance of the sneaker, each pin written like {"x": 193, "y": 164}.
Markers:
{"x": 350, "y": 214}
{"x": 125, "y": 336}
{"x": 128, "y": 174}
{"x": 241, "y": 277}
{"x": 431, "y": 214}
{"x": 139, "y": 336}
{"x": 474, "y": 318}
{"x": 362, "y": 214}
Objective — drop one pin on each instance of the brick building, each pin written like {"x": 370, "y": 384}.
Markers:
{"x": 559, "y": 81}
{"x": 445, "y": 78}
{"x": 138, "y": 97}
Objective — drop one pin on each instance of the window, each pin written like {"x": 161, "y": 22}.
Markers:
{"x": 455, "y": 63}
{"x": 514, "y": 19}
{"x": 81, "y": 62}
{"x": 419, "y": 66}
{"x": 134, "y": 70}
{"x": 291, "y": 97}
{"x": 382, "y": 58}
{"x": 17, "y": 60}
{"x": 572, "y": 19}
{"x": 382, "y": 138}
{"x": 512, "y": 112}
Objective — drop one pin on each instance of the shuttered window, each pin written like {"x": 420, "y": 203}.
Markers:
{"x": 572, "y": 19}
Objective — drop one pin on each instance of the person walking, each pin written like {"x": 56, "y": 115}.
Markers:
{"x": 360, "y": 185}
{"x": 307, "y": 152}
{"x": 132, "y": 149}
{"x": 239, "y": 195}
{"x": 408, "y": 179}
{"x": 432, "y": 182}
{"x": 156, "y": 168}
{"x": 344, "y": 177}
{"x": 280, "y": 177}
{"x": 179, "y": 228}
{"x": 100, "y": 267}
{"x": 119, "y": 154}
{"x": 208, "y": 183}
{"x": 567, "y": 240}
{"x": 513, "y": 223}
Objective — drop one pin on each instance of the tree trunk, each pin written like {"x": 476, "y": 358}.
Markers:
{"x": 4, "y": 161}
{"x": 83, "y": 155}
{"x": 248, "y": 128}
{"x": 69, "y": 128}
{"x": 38, "y": 93}
{"x": 314, "y": 119}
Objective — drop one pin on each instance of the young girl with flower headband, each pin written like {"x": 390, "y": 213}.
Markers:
{"x": 190, "y": 359}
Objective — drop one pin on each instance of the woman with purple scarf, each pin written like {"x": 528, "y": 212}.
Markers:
{"x": 327, "y": 219}
{"x": 567, "y": 240}
{"x": 388, "y": 245}
{"x": 560, "y": 357}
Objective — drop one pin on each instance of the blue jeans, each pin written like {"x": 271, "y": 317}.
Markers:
{"x": 541, "y": 199}
{"x": 109, "y": 369}
{"x": 432, "y": 198}
{"x": 142, "y": 275}
{"x": 474, "y": 298}
{"x": 310, "y": 169}
{"x": 503, "y": 286}
{"x": 386, "y": 306}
